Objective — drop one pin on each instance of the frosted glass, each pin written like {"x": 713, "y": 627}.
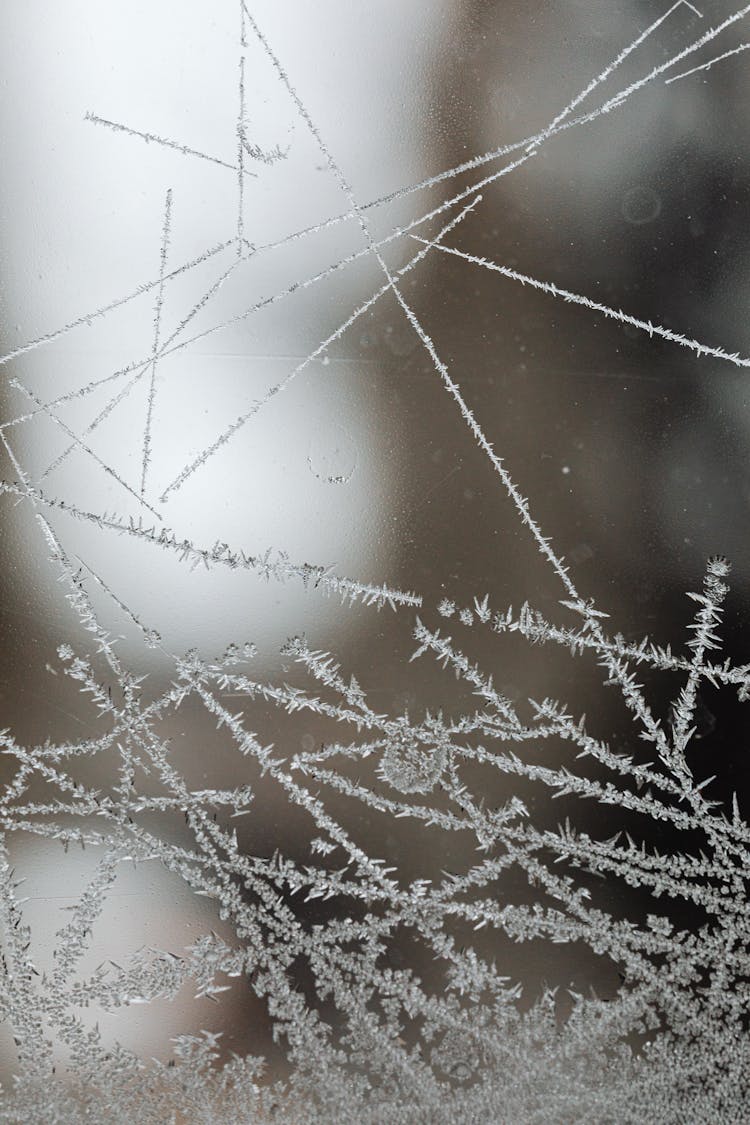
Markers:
{"x": 374, "y": 389}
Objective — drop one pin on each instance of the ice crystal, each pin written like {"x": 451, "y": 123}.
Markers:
{"x": 384, "y": 982}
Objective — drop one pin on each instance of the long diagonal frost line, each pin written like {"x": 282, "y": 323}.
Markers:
{"x": 240, "y": 421}
{"x": 609, "y": 70}
{"x": 633, "y": 696}
{"x": 374, "y": 247}
{"x": 520, "y": 502}
{"x": 113, "y": 402}
{"x": 240, "y": 130}
{"x": 157, "y": 332}
{"x": 712, "y": 62}
{"x": 596, "y": 306}
{"x": 631, "y": 693}
{"x": 270, "y": 565}
{"x": 86, "y": 448}
{"x": 152, "y": 138}
{"x": 618, "y": 101}
{"x": 529, "y": 142}
{"x": 80, "y": 321}
{"x": 657, "y": 71}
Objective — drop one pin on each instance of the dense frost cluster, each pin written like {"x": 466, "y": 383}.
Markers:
{"x": 388, "y": 995}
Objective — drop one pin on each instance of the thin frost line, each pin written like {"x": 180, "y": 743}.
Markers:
{"x": 605, "y": 74}
{"x": 631, "y": 691}
{"x": 474, "y": 162}
{"x": 80, "y": 601}
{"x": 139, "y": 291}
{"x": 240, "y": 421}
{"x": 164, "y": 141}
{"x": 521, "y": 504}
{"x": 527, "y": 143}
{"x": 266, "y": 565}
{"x": 87, "y": 449}
{"x": 519, "y": 501}
{"x": 149, "y": 635}
{"x": 710, "y": 63}
{"x": 708, "y": 37}
{"x": 614, "y": 314}
{"x": 157, "y": 331}
{"x": 458, "y": 198}
{"x": 240, "y": 138}
{"x": 237, "y": 318}
{"x": 109, "y": 406}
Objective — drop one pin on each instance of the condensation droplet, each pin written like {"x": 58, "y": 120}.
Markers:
{"x": 332, "y": 455}
{"x": 641, "y": 205}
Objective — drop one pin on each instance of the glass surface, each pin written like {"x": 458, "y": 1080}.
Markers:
{"x": 340, "y": 781}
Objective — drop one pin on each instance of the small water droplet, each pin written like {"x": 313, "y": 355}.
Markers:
{"x": 641, "y": 205}
{"x": 332, "y": 455}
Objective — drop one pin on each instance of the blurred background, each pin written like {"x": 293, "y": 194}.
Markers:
{"x": 631, "y": 449}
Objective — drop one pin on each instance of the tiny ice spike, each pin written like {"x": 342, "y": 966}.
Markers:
{"x": 382, "y": 982}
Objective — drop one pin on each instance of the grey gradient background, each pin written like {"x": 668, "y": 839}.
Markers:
{"x": 633, "y": 451}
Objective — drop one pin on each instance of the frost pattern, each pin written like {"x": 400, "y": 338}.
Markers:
{"x": 362, "y": 1039}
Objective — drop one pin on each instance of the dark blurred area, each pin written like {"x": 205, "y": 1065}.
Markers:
{"x": 630, "y": 448}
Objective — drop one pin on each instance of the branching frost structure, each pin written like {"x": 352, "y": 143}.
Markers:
{"x": 447, "y": 1034}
